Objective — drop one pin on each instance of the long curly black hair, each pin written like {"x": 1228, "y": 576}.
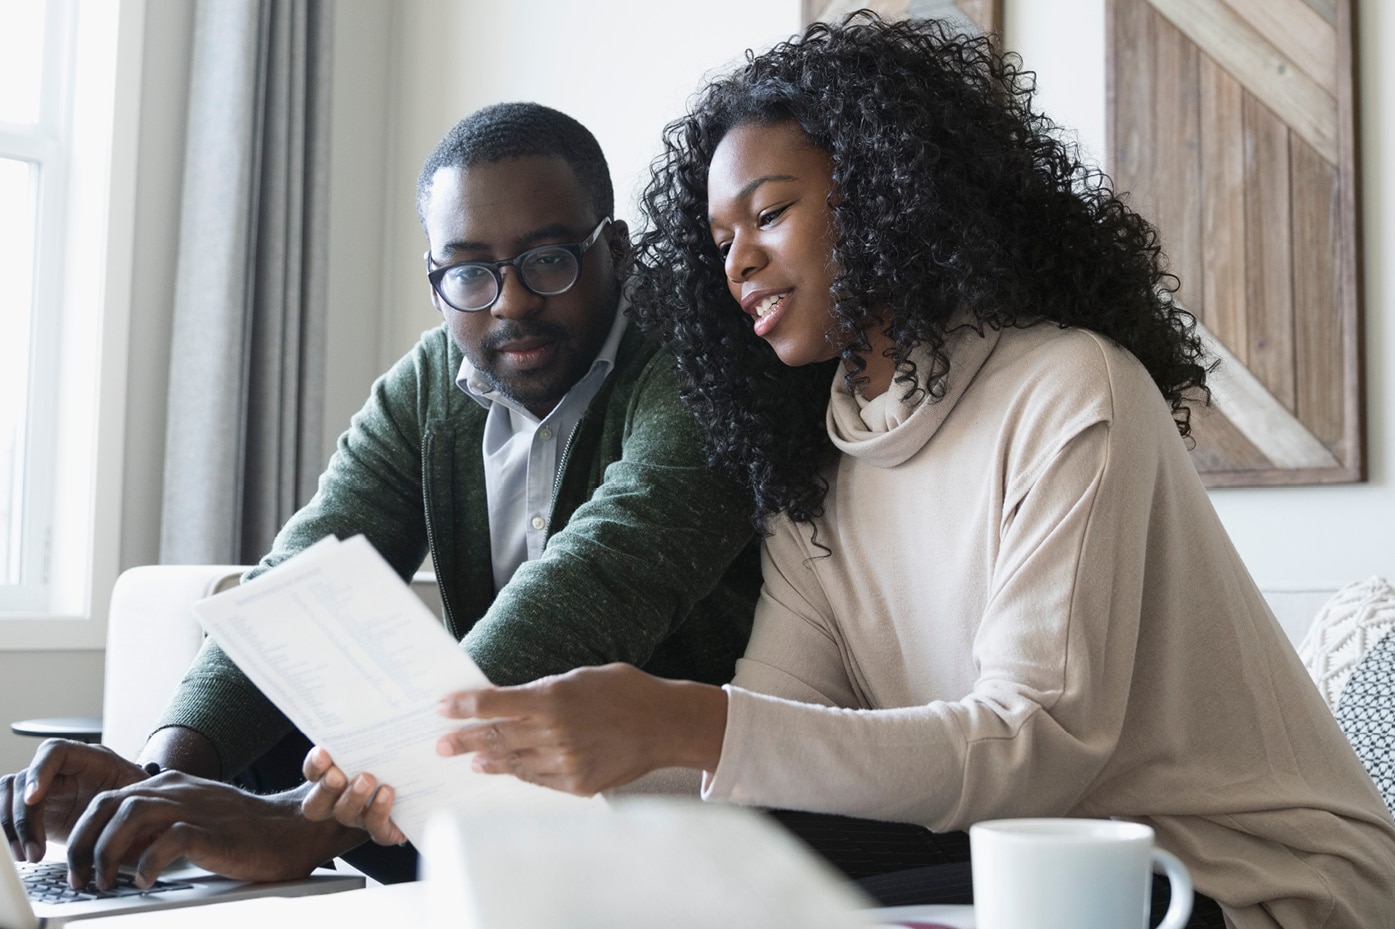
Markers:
{"x": 952, "y": 196}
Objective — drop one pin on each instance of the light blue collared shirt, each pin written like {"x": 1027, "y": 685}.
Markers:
{"x": 522, "y": 454}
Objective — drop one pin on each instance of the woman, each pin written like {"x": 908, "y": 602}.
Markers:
{"x": 994, "y": 585}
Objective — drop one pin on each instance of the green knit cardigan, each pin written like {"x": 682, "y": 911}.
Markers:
{"x": 650, "y": 557}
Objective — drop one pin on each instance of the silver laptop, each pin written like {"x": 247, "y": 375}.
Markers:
{"x": 38, "y": 895}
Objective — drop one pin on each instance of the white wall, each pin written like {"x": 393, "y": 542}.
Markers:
{"x": 623, "y": 68}
{"x": 159, "y": 183}
{"x": 1290, "y": 537}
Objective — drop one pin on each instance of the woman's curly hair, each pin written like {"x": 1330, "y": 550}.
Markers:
{"x": 953, "y": 197}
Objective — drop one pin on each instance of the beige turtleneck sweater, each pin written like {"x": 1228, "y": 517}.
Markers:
{"x": 1027, "y": 607}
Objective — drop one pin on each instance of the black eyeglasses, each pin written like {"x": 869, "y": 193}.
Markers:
{"x": 548, "y": 270}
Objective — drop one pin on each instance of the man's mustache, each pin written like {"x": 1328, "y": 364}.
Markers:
{"x": 518, "y": 332}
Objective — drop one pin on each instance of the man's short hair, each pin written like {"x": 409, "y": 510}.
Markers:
{"x": 513, "y": 130}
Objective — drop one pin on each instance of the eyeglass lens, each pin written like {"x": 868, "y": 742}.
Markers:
{"x": 546, "y": 271}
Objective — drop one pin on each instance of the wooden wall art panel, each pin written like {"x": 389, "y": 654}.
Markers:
{"x": 1232, "y": 126}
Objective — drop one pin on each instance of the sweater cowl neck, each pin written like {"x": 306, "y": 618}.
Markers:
{"x": 887, "y": 430}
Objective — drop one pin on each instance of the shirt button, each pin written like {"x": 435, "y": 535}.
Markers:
{"x": 539, "y": 522}
{"x": 545, "y": 434}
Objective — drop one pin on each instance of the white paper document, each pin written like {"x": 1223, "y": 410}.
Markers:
{"x": 358, "y": 663}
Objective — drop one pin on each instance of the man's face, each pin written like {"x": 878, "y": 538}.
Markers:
{"x": 533, "y": 349}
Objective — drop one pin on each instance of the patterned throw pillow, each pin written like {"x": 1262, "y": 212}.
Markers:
{"x": 1366, "y": 714}
{"x": 1346, "y": 628}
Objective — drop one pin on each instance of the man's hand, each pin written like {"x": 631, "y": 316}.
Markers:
{"x": 363, "y": 804}
{"x": 590, "y": 729}
{"x": 46, "y": 799}
{"x": 214, "y": 825}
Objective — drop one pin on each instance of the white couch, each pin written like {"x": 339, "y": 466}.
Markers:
{"x": 152, "y": 637}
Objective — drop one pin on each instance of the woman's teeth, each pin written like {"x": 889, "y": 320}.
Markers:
{"x": 768, "y": 304}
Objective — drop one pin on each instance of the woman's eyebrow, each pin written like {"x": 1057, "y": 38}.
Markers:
{"x": 750, "y": 186}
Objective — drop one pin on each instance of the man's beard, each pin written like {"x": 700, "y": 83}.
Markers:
{"x": 548, "y": 387}
{"x": 552, "y": 385}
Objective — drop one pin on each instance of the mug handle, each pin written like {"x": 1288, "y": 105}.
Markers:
{"x": 1179, "y": 908}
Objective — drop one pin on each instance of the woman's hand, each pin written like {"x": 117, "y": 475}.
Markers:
{"x": 362, "y": 804}
{"x": 590, "y": 729}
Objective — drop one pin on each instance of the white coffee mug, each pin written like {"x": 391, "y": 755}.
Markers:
{"x": 1071, "y": 874}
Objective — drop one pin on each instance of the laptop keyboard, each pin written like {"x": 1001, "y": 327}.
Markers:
{"x": 47, "y": 882}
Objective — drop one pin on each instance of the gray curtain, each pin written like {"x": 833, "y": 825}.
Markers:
{"x": 246, "y": 391}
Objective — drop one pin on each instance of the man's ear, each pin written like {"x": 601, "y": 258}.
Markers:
{"x": 621, "y": 250}
{"x": 435, "y": 297}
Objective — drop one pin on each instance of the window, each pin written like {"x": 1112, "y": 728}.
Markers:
{"x": 69, "y": 108}
{"x": 35, "y": 70}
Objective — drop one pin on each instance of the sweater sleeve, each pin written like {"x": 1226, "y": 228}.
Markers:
{"x": 653, "y": 539}
{"x": 371, "y": 486}
{"x": 1053, "y": 655}
{"x": 793, "y": 653}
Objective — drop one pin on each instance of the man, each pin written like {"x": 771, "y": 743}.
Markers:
{"x": 535, "y": 445}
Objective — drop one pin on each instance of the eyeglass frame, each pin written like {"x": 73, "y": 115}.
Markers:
{"x": 435, "y": 273}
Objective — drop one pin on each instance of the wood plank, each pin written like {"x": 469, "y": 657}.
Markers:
{"x": 1297, "y": 31}
{"x": 987, "y": 14}
{"x": 1317, "y": 292}
{"x": 1222, "y": 305}
{"x": 1268, "y": 251}
{"x": 1263, "y": 70}
{"x": 1175, "y": 179}
{"x": 1130, "y": 101}
{"x": 1217, "y": 446}
{"x": 1259, "y": 416}
{"x": 1276, "y": 477}
{"x": 1280, "y": 265}
{"x": 1349, "y": 251}
{"x": 1327, "y": 9}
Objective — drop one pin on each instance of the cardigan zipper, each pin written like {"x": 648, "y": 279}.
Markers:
{"x": 562, "y": 469}
{"x": 447, "y": 614}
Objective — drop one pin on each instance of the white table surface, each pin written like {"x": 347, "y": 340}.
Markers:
{"x": 396, "y": 905}
{"x": 404, "y": 906}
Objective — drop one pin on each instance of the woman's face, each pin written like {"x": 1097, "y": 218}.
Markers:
{"x": 767, "y": 208}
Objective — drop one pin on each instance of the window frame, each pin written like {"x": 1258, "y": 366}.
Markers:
{"x": 44, "y": 146}
{"x": 79, "y": 345}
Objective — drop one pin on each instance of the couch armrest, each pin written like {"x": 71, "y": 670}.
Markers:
{"x": 152, "y": 636}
